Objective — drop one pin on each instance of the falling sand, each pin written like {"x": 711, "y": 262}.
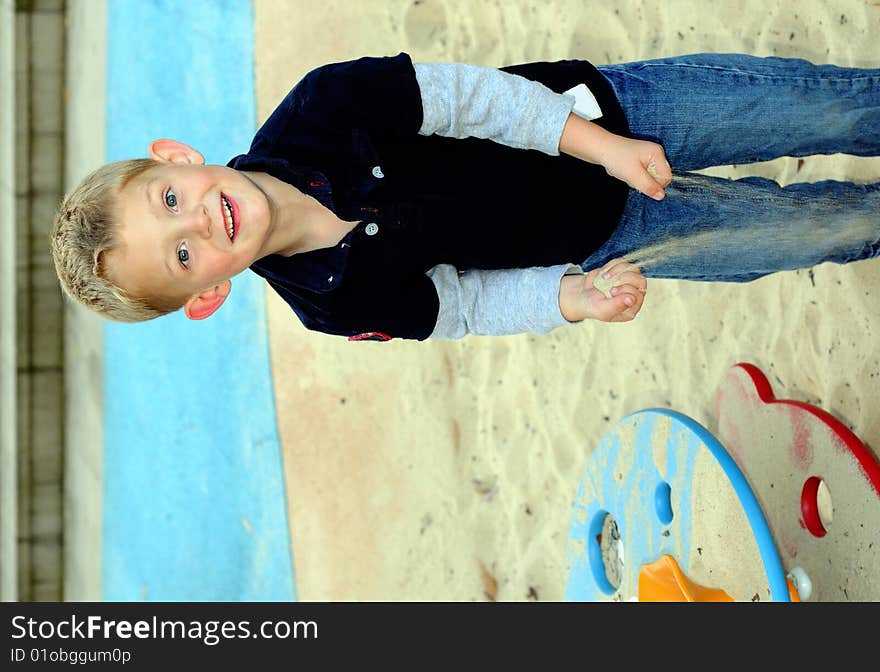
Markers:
{"x": 822, "y": 226}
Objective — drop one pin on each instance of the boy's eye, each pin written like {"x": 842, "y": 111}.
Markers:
{"x": 183, "y": 255}
{"x": 170, "y": 199}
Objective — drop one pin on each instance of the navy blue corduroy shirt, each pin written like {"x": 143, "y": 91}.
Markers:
{"x": 347, "y": 134}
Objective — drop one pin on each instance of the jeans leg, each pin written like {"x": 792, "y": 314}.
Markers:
{"x": 710, "y": 228}
{"x": 719, "y": 109}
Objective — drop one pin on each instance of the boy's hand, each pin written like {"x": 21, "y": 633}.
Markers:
{"x": 639, "y": 163}
{"x": 580, "y": 299}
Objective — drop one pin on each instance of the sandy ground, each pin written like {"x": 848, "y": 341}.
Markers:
{"x": 446, "y": 471}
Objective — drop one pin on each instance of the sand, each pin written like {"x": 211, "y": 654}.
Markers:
{"x": 446, "y": 471}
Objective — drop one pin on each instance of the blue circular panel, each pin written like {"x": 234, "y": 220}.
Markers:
{"x": 643, "y": 472}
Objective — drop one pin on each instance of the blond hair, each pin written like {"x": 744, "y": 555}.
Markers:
{"x": 86, "y": 227}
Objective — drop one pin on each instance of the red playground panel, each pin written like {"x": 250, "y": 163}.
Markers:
{"x": 818, "y": 485}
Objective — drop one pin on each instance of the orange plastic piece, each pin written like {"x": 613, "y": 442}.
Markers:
{"x": 792, "y": 591}
{"x": 663, "y": 581}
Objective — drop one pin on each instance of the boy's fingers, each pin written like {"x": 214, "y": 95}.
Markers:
{"x": 624, "y": 313}
{"x": 615, "y": 267}
{"x": 634, "y": 280}
{"x": 650, "y": 187}
{"x": 636, "y": 292}
{"x": 659, "y": 169}
{"x": 624, "y": 305}
{"x": 615, "y": 274}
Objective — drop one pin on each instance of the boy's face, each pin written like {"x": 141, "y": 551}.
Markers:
{"x": 175, "y": 236}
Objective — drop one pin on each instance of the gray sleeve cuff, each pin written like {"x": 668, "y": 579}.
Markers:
{"x": 461, "y": 100}
{"x": 498, "y": 302}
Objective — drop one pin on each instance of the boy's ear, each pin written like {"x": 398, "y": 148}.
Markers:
{"x": 172, "y": 151}
{"x": 202, "y": 305}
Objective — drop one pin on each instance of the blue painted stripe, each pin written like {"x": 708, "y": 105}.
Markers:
{"x": 194, "y": 499}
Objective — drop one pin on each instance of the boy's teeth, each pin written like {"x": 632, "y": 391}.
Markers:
{"x": 227, "y": 213}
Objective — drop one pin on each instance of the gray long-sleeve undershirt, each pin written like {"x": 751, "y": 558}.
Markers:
{"x": 459, "y": 101}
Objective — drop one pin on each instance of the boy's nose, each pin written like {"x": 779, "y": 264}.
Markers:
{"x": 201, "y": 222}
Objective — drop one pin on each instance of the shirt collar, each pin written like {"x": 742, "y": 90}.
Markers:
{"x": 318, "y": 270}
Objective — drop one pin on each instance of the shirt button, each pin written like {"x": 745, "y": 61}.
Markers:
{"x": 377, "y": 171}
{"x": 371, "y": 229}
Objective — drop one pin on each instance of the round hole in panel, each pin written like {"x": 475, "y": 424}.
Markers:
{"x": 817, "y": 508}
{"x": 605, "y": 552}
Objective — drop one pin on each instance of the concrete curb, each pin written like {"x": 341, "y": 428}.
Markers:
{"x": 83, "y": 473}
{"x": 8, "y": 368}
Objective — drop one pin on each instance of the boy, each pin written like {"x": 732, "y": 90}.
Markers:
{"x": 389, "y": 199}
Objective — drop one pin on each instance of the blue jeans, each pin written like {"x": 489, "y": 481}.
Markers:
{"x": 720, "y": 109}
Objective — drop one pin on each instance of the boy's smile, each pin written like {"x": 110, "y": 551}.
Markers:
{"x": 230, "y": 215}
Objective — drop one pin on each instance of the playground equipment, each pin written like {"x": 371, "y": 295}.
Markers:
{"x": 784, "y": 505}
